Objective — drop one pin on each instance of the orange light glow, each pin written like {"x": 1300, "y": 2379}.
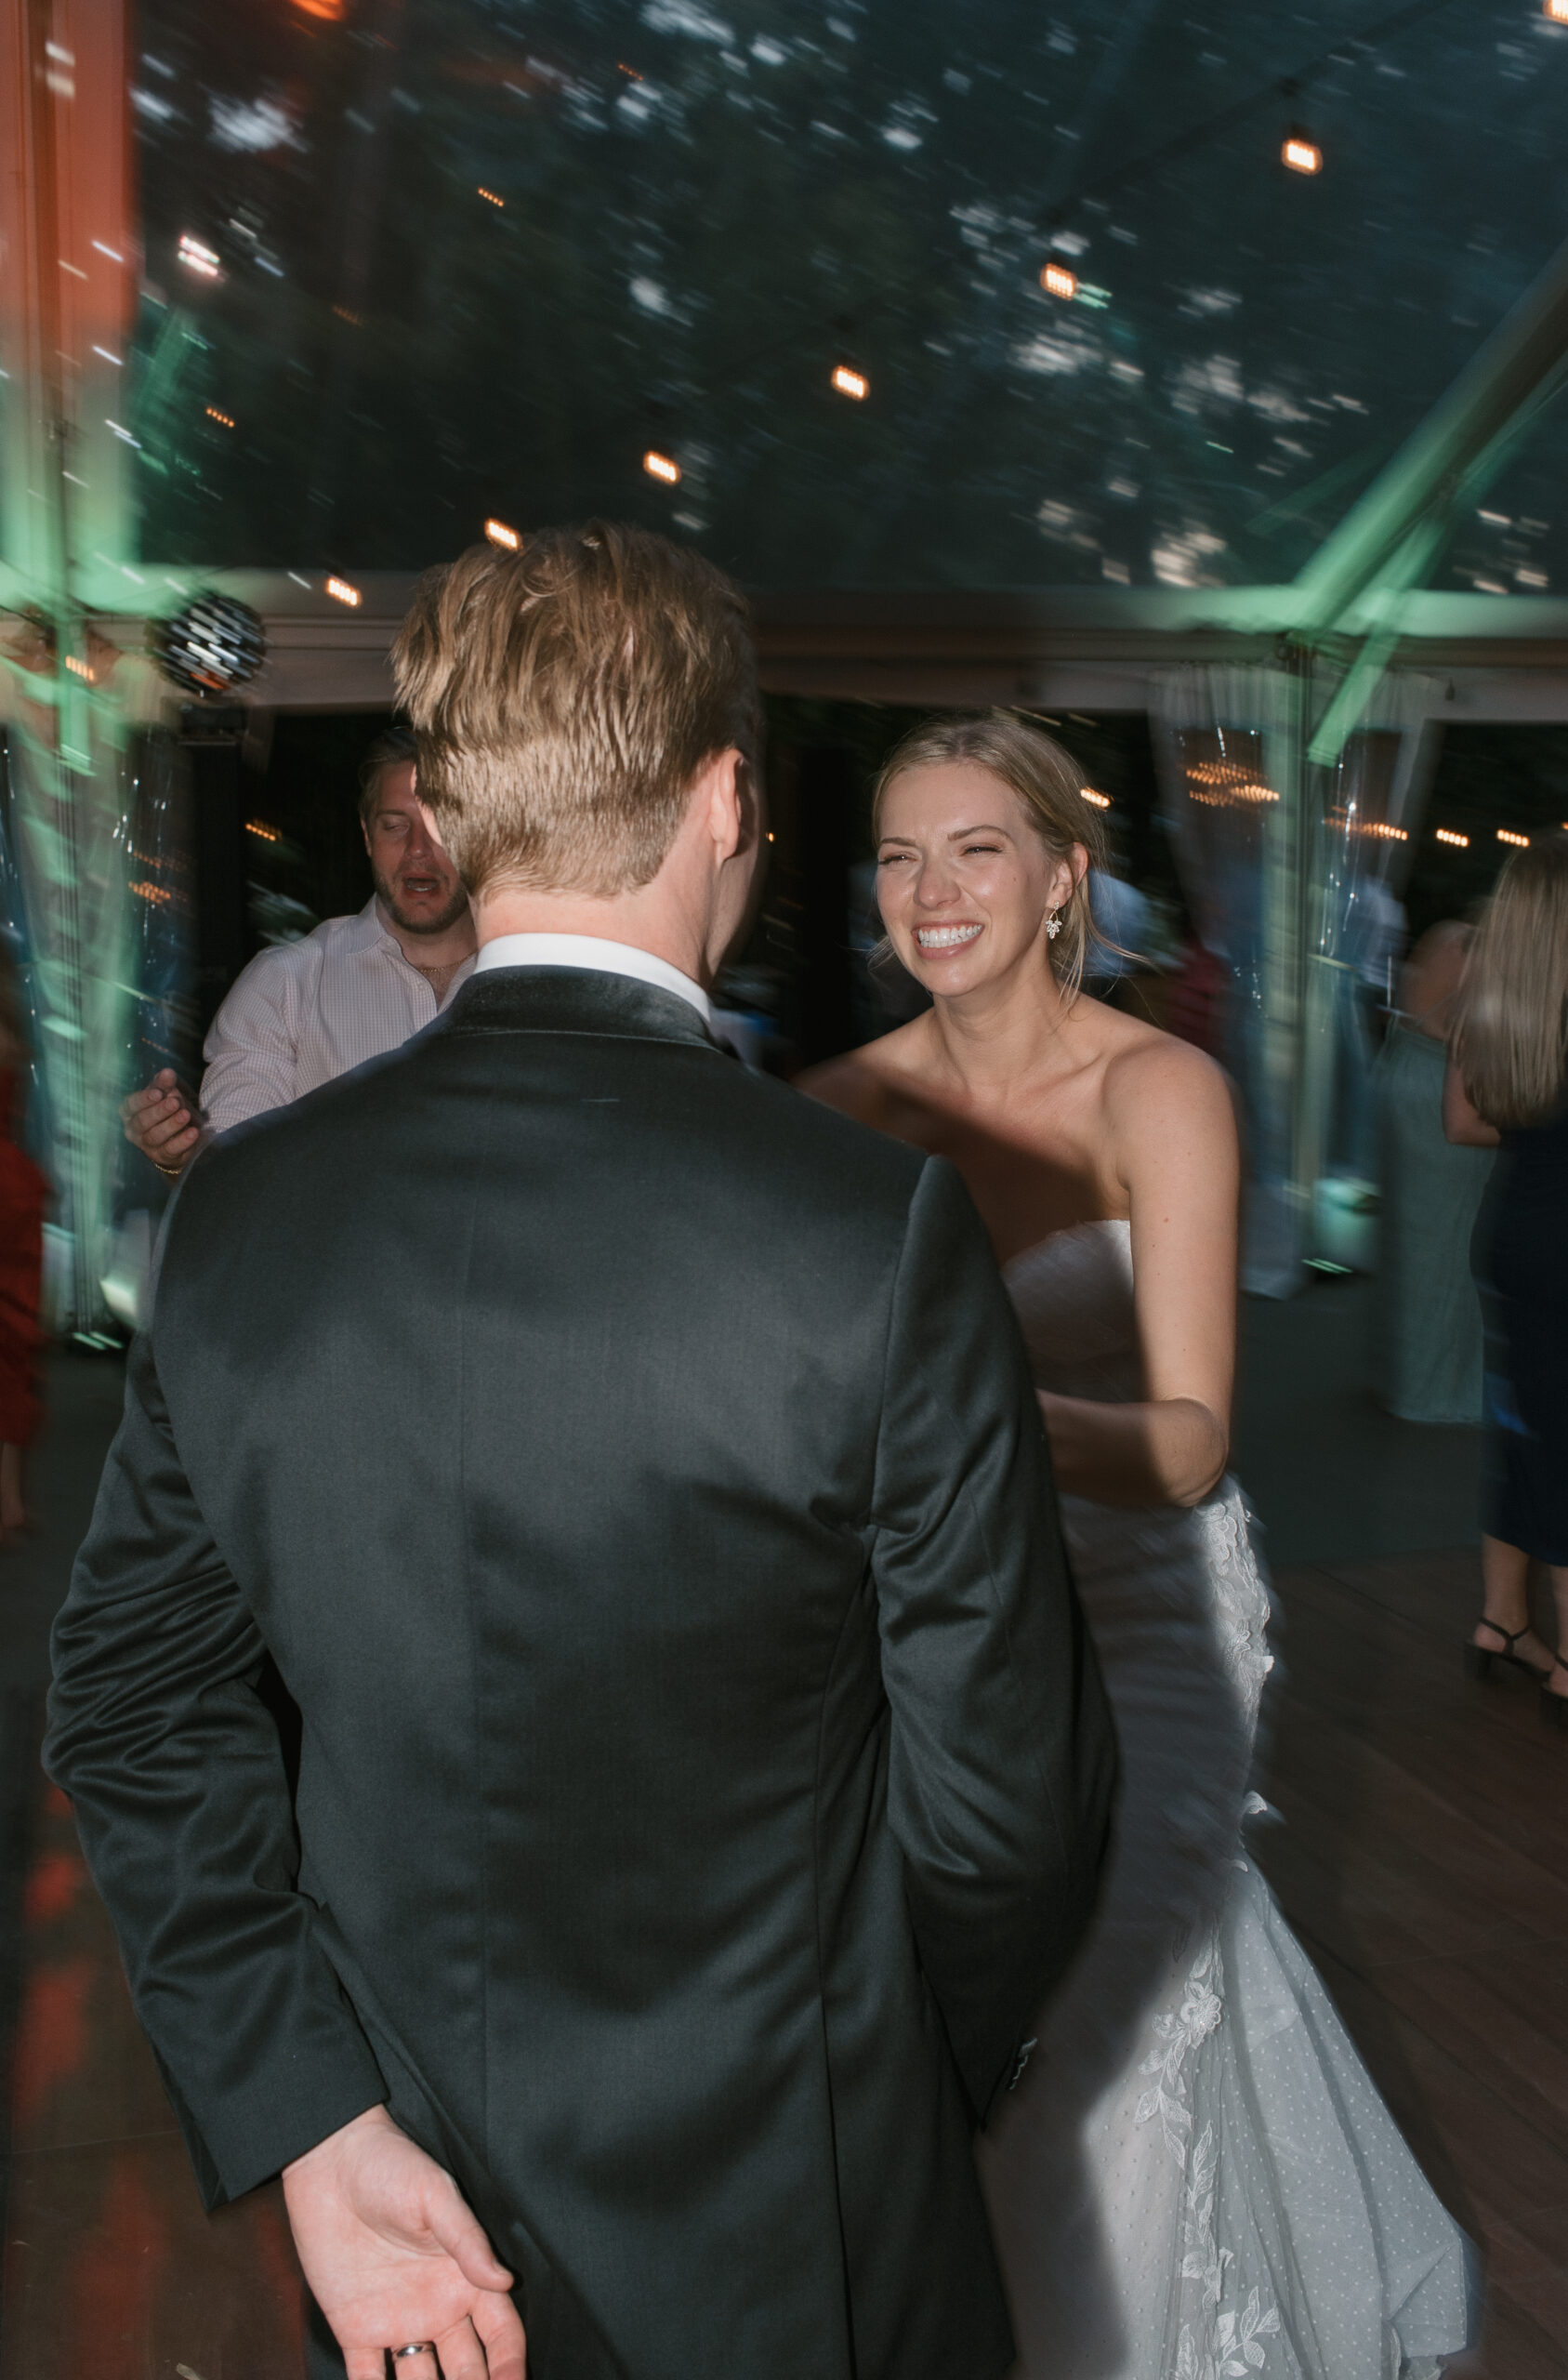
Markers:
{"x": 489, "y": 195}
{"x": 1303, "y": 156}
{"x": 850, "y": 383}
{"x": 328, "y": 12}
{"x": 499, "y": 535}
{"x": 1097, "y": 800}
{"x": 1446, "y": 834}
{"x": 1056, "y": 280}
{"x": 1506, "y": 834}
{"x": 268, "y": 834}
{"x": 1221, "y": 784}
{"x": 341, "y": 593}
{"x": 1556, "y": 9}
{"x": 662, "y": 467}
{"x": 226, "y": 419}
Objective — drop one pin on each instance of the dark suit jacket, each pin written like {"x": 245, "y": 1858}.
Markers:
{"x": 632, "y": 1470}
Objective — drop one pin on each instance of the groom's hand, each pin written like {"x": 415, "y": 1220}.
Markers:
{"x": 393, "y": 2254}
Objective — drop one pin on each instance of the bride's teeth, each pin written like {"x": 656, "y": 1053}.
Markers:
{"x": 945, "y": 937}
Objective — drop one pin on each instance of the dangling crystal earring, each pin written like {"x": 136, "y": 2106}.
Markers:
{"x": 1053, "y": 925}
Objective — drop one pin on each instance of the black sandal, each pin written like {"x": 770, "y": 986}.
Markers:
{"x": 1478, "y": 1658}
{"x": 1554, "y": 1707}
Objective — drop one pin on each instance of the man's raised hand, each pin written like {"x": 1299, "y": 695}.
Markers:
{"x": 159, "y": 1123}
{"x": 393, "y": 2254}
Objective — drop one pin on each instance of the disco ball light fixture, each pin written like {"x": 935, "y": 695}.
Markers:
{"x": 214, "y": 646}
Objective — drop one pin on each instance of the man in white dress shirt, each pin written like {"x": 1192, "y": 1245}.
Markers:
{"x": 303, "y": 1012}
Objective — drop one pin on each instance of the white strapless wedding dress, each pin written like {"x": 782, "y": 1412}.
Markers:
{"x": 1196, "y": 2178}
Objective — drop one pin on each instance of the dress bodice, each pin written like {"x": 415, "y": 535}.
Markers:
{"x": 1074, "y": 1296}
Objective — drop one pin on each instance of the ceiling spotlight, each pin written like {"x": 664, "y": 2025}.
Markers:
{"x": 1097, "y": 800}
{"x": 1506, "y": 834}
{"x": 1446, "y": 834}
{"x": 662, "y": 467}
{"x": 499, "y": 535}
{"x": 197, "y": 258}
{"x": 849, "y": 383}
{"x": 492, "y": 196}
{"x": 341, "y": 593}
{"x": 1301, "y": 152}
{"x": 1056, "y": 280}
{"x": 1556, "y": 9}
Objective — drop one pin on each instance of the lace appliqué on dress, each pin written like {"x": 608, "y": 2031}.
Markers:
{"x": 1222, "y": 2342}
{"x": 1181, "y": 2030}
{"x": 1240, "y": 1598}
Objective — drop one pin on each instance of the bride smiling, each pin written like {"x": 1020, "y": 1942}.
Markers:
{"x": 1196, "y": 2177}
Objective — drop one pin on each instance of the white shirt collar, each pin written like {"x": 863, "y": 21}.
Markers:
{"x": 591, "y": 950}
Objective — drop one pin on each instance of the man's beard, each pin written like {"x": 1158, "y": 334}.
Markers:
{"x": 440, "y": 923}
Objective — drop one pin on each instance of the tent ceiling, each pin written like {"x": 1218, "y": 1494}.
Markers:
{"x": 462, "y": 257}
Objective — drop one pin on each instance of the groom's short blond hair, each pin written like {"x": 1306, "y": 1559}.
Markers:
{"x": 564, "y": 698}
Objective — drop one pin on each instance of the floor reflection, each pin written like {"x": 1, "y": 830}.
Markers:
{"x": 110, "y": 2266}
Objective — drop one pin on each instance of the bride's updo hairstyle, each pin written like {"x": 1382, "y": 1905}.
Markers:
{"x": 1049, "y": 786}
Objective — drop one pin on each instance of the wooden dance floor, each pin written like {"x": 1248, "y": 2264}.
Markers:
{"x": 1423, "y": 1857}
{"x": 1424, "y": 1862}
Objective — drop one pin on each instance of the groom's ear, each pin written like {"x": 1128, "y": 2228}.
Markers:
{"x": 731, "y": 822}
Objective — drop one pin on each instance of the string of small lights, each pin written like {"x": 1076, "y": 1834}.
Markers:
{"x": 1300, "y": 153}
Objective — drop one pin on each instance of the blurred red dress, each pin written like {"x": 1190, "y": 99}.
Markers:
{"x": 24, "y": 1190}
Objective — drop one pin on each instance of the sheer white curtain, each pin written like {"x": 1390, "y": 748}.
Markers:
{"x": 1292, "y": 869}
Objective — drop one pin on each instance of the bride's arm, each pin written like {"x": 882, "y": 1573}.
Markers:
{"x": 1174, "y": 1133}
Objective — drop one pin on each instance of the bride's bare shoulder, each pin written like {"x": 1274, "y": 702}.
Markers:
{"x": 869, "y": 1082}
{"x": 1152, "y": 1076}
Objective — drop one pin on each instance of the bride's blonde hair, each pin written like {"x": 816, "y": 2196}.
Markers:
{"x": 1048, "y": 785}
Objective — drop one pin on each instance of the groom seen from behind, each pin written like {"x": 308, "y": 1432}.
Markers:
{"x": 633, "y": 1471}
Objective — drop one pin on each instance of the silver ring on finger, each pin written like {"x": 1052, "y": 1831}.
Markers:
{"x": 415, "y": 2346}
